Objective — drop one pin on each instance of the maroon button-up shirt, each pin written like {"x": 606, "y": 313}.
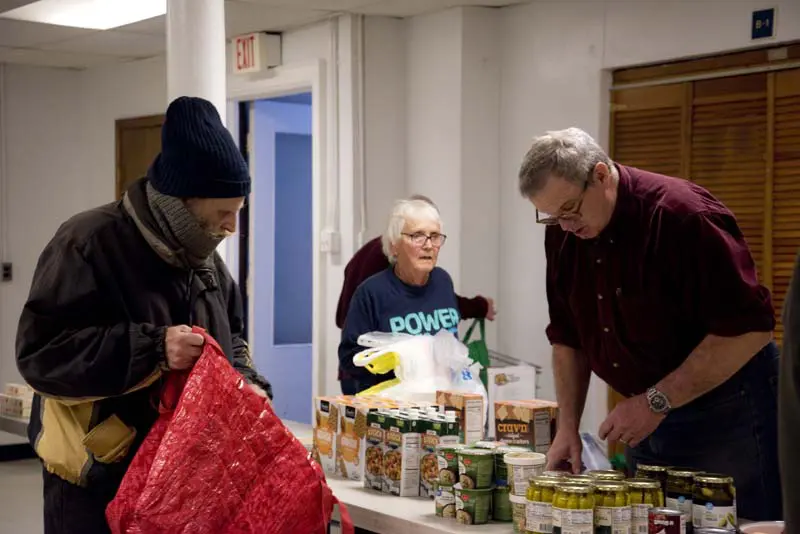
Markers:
{"x": 671, "y": 268}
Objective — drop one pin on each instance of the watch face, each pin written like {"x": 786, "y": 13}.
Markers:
{"x": 658, "y": 402}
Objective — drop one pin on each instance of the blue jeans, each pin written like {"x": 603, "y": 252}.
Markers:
{"x": 731, "y": 430}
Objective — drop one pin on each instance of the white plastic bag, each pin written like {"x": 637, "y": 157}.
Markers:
{"x": 423, "y": 365}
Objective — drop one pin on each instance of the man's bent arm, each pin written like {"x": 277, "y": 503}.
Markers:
{"x": 710, "y": 364}
{"x": 572, "y": 373}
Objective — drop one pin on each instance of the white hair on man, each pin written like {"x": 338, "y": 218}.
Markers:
{"x": 407, "y": 210}
{"x": 571, "y": 154}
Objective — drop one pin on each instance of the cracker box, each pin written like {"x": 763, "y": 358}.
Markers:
{"x": 469, "y": 410}
{"x": 528, "y": 423}
{"x": 21, "y": 391}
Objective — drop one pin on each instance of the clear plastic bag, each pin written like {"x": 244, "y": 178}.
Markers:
{"x": 423, "y": 365}
{"x": 595, "y": 456}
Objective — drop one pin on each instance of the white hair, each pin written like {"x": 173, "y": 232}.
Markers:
{"x": 570, "y": 154}
{"x": 407, "y": 210}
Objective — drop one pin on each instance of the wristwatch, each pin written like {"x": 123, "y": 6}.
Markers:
{"x": 658, "y": 402}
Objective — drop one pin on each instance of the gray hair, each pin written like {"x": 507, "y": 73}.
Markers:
{"x": 406, "y": 210}
{"x": 570, "y": 154}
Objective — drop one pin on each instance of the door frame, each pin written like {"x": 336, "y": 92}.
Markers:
{"x": 147, "y": 121}
{"x": 282, "y": 81}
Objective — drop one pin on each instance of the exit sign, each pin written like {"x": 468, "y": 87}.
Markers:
{"x": 255, "y": 52}
{"x": 763, "y": 25}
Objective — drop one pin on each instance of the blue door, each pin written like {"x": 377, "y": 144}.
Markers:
{"x": 282, "y": 251}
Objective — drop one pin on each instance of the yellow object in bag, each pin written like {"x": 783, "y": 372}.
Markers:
{"x": 378, "y": 362}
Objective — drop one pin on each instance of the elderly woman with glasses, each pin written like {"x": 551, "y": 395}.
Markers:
{"x": 412, "y": 296}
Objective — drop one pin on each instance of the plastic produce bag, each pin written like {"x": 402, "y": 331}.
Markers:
{"x": 594, "y": 455}
{"x": 218, "y": 460}
{"x": 422, "y": 365}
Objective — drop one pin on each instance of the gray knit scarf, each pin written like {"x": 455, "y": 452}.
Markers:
{"x": 182, "y": 242}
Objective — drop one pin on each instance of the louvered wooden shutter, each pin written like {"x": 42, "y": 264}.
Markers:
{"x": 786, "y": 188}
{"x": 647, "y": 125}
{"x": 728, "y": 154}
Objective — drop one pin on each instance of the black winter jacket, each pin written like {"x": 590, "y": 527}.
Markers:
{"x": 91, "y": 337}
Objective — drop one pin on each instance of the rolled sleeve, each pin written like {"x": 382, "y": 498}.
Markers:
{"x": 561, "y": 329}
{"x": 723, "y": 290}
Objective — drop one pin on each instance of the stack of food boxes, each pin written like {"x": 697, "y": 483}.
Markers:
{"x": 527, "y": 423}
{"x": 16, "y": 401}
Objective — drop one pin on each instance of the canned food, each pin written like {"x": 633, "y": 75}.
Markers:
{"x": 711, "y": 530}
{"x": 609, "y": 475}
{"x": 680, "y": 487}
{"x": 519, "y": 507}
{"x": 447, "y": 457}
{"x": 612, "y": 510}
{"x": 500, "y": 468}
{"x": 714, "y": 501}
{"x": 666, "y": 521}
{"x": 573, "y": 506}
{"x": 657, "y": 472}
{"x": 644, "y": 495}
{"x": 539, "y": 507}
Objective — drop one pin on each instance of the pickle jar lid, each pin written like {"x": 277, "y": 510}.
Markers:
{"x": 680, "y": 472}
{"x": 643, "y": 483}
{"x": 574, "y": 487}
{"x": 713, "y": 478}
{"x": 610, "y": 486}
{"x": 579, "y": 479}
{"x": 606, "y": 474}
{"x": 556, "y": 474}
{"x": 653, "y": 468}
{"x": 543, "y": 481}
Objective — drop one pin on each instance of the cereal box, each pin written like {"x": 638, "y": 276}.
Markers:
{"x": 326, "y": 427}
{"x": 469, "y": 410}
{"x": 528, "y": 423}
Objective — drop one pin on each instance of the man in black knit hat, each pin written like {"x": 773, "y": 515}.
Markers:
{"x": 113, "y": 300}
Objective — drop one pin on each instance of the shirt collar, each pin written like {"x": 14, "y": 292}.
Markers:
{"x": 623, "y": 207}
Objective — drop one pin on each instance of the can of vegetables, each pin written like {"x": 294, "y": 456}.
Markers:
{"x": 447, "y": 458}
{"x": 475, "y": 468}
{"x": 473, "y": 506}
{"x": 714, "y": 501}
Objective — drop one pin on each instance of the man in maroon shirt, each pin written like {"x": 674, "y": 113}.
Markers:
{"x": 370, "y": 260}
{"x": 651, "y": 286}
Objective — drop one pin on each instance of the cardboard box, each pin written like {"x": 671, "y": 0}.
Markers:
{"x": 351, "y": 440}
{"x": 22, "y": 391}
{"x": 401, "y": 456}
{"x": 515, "y": 382}
{"x": 528, "y": 423}
{"x": 17, "y": 407}
{"x": 374, "y": 450}
{"x": 326, "y": 428}
{"x": 433, "y": 432}
{"x": 469, "y": 410}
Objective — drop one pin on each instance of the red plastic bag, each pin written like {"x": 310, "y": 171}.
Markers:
{"x": 219, "y": 461}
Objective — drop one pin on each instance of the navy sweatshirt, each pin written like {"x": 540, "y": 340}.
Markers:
{"x": 384, "y": 303}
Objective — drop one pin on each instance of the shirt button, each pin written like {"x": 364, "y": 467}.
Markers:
{"x": 611, "y": 241}
{"x": 606, "y": 330}
{"x": 599, "y": 260}
{"x": 599, "y": 297}
{"x": 615, "y": 364}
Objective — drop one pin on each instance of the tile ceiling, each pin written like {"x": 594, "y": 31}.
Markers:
{"x": 56, "y": 46}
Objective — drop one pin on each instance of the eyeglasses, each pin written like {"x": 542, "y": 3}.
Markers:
{"x": 568, "y": 216}
{"x": 419, "y": 239}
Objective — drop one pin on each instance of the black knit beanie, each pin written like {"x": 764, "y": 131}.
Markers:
{"x": 199, "y": 158}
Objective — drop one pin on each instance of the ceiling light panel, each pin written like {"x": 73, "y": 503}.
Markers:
{"x": 89, "y": 14}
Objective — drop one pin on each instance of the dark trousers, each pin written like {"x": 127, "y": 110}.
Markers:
{"x": 71, "y": 509}
{"x": 730, "y": 430}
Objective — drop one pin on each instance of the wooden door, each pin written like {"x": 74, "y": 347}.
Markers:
{"x": 138, "y": 143}
{"x": 737, "y": 136}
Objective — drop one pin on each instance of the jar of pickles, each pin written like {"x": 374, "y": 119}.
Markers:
{"x": 714, "y": 501}
{"x": 657, "y": 472}
{"x": 643, "y": 494}
{"x": 539, "y": 508}
{"x": 607, "y": 475}
{"x": 580, "y": 479}
{"x": 680, "y": 485}
{"x": 612, "y": 510}
{"x": 573, "y": 508}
